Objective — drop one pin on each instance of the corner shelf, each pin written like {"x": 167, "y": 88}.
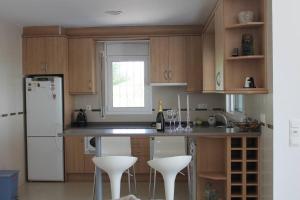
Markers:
{"x": 246, "y": 25}
{"x": 253, "y": 57}
{"x": 246, "y": 91}
{"x": 217, "y": 176}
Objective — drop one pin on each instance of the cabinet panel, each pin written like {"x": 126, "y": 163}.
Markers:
{"x": 82, "y": 57}
{"x": 140, "y": 149}
{"x": 56, "y": 55}
{"x": 177, "y": 62}
{"x": 34, "y": 58}
{"x": 89, "y": 166}
{"x": 74, "y": 154}
{"x": 194, "y": 63}
{"x": 159, "y": 59}
{"x": 219, "y": 46}
{"x": 209, "y": 74}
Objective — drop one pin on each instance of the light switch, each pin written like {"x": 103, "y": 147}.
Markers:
{"x": 295, "y": 133}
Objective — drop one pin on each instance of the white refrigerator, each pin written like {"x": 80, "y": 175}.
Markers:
{"x": 44, "y": 117}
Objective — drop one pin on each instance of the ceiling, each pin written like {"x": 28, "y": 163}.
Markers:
{"x": 82, "y": 13}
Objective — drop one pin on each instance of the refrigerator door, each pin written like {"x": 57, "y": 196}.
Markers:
{"x": 45, "y": 159}
{"x": 44, "y": 106}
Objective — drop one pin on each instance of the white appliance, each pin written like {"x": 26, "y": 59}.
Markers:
{"x": 44, "y": 116}
{"x": 89, "y": 145}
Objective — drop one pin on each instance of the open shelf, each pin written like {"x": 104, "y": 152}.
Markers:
{"x": 246, "y": 25}
{"x": 247, "y": 91}
{"x": 217, "y": 176}
{"x": 253, "y": 57}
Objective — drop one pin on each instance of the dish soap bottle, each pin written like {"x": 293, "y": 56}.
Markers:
{"x": 160, "y": 120}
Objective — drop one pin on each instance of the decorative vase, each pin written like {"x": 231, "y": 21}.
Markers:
{"x": 246, "y": 17}
{"x": 247, "y": 45}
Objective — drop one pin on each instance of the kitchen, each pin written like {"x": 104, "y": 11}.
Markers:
{"x": 85, "y": 88}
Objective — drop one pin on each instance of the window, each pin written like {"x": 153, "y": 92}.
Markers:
{"x": 127, "y": 88}
{"x": 234, "y": 103}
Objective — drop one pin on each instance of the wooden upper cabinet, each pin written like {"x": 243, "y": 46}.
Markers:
{"x": 56, "y": 55}
{"x": 159, "y": 58}
{"x": 177, "y": 61}
{"x": 167, "y": 57}
{"x": 82, "y": 66}
{"x": 45, "y": 55}
{"x": 194, "y": 63}
{"x": 34, "y": 58}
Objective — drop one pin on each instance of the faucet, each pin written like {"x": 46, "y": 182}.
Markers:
{"x": 224, "y": 117}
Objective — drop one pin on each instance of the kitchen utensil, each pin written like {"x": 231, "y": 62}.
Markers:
{"x": 247, "y": 44}
{"x": 249, "y": 82}
{"x": 212, "y": 120}
{"x": 81, "y": 119}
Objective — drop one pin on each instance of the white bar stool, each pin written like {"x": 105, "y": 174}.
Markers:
{"x": 118, "y": 146}
{"x": 114, "y": 166}
{"x": 169, "y": 168}
{"x": 167, "y": 146}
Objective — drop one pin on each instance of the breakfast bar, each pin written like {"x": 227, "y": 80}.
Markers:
{"x": 210, "y": 133}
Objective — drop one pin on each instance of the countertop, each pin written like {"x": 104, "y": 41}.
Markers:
{"x": 140, "y": 129}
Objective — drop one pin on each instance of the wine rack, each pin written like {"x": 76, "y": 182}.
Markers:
{"x": 243, "y": 170}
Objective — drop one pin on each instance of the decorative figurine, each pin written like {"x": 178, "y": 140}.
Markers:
{"x": 247, "y": 45}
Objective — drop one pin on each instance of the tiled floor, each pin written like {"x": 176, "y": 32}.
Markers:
{"x": 84, "y": 190}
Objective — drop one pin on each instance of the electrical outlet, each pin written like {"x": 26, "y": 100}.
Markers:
{"x": 88, "y": 107}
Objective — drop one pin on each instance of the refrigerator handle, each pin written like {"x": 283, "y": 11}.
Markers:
{"x": 59, "y": 134}
{"x": 57, "y": 142}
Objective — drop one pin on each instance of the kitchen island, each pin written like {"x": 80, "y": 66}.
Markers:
{"x": 225, "y": 158}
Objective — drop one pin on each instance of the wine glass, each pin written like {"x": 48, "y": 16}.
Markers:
{"x": 170, "y": 117}
{"x": 175, "y": 114}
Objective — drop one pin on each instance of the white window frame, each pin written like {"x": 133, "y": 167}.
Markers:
{"x": 109, "y": 109}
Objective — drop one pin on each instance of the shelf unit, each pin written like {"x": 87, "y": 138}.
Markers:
{"x": 211, "y": 166}
{"x": 243, "y": 170}
{"x": 246, "y": 25}
{"x": 230, "y": 71}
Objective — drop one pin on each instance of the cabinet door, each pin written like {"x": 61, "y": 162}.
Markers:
{"x": 177, "y": 60}
{"x": 82, "y": 57}
{"x": 219, "y": 47}
{"x": 89, "y": 166}
{"x": 56, "y": 55}
{"x": 140, "y": 149}
{"x": 194, "y": 63}
{"x": 34, "y": 59}
{"x": 159, "y": 59}
{"x": 74, "y": 154}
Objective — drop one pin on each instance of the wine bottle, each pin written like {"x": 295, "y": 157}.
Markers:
{"x": 160, "y": 120}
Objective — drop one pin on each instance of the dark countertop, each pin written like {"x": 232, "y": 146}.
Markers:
{"x": 146, "y": 129}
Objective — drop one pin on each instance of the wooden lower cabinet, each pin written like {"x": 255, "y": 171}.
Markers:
{"x": 228, "y": 167}
{"x": 79, "y": 166}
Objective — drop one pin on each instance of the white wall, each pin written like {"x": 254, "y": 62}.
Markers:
{"x": 12, "y": 154}
{"x": 263, "y": 104}
{"x": 286, "y": 69}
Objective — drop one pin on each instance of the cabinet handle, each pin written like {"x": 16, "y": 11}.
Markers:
{"x": 46, "y": 67}
{"x": 170, "y": 75}
{"x": 90, "y": 84}
{"x": 166, "y": 75}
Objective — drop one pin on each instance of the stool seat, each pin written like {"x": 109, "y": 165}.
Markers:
{"x": 114, "y": 166}
{"x": 169, "y": 168}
